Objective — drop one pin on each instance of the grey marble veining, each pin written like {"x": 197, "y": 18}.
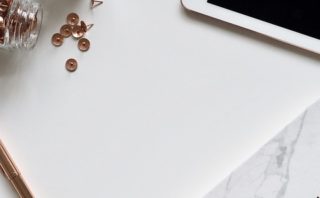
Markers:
{"x": 288, "y": 166}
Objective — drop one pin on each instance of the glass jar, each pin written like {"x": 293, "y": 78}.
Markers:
{"x": 20, "y": 23}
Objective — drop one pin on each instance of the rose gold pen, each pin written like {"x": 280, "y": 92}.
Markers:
{"x": 12, "y": 173}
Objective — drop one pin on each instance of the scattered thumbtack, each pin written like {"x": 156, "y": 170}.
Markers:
{"x": 95, "y": 3}
{"x": 85, "y": 27}
{"x": 71, "y": 65}
{"x": 66, "y": 30}
{"x": 84, "y": 44}
{"x": 73, "y": 19}
{"x": 77, "y": 32}
{"x": 57, "y": 39}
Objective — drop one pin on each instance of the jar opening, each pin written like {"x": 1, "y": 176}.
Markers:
{"x": 22, "y": 24}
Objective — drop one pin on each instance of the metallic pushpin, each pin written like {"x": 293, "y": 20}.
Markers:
{"x": 85, "y": 27}
{"x": 3, "y": 7}
{"x": 2, "y": 22}
{"x": 95, "y": 3}
{"x": 2, "y": 30}
{"x": 84, "y": 44}
{"x": 77, "y": 32}
{"x": 71, "y": 65}
{"x": 57, "y": 39}
{"x": 73, "y": 19}
{"x": 66, "y": 30}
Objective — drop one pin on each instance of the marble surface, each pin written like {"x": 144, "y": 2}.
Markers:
{"x": 286, "y": 167}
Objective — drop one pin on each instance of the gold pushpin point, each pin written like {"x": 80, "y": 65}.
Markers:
{"x": 85, "y": 27}
{"x": 95, "y": 3}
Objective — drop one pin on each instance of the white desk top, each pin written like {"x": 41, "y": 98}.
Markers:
{"x": 165, "y": 104}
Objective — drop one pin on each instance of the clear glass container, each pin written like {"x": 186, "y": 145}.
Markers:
{"x": 20, "y": 23}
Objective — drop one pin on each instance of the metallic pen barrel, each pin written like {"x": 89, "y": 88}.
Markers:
{"x": 12, "y": 173}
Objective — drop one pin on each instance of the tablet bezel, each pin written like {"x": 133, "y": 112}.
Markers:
{"x": 268, "y": 29}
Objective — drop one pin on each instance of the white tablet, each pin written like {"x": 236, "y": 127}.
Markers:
{"x": 296, "y": 22}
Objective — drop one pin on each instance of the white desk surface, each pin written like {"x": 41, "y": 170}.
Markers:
{"x": 164, "y": 105}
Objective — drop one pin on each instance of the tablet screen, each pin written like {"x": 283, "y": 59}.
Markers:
{"x": 302, "y": 16}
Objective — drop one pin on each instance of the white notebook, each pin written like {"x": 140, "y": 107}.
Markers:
{"x": 288, "y": 166}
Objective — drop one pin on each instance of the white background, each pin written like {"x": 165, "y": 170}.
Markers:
{"x": 164, "y": 105}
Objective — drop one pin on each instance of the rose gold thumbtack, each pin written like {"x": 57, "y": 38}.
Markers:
{"x": 77, "y": 32}
{"x": 57, "y": 39}
{"x": 84, "y": 44}
{"x": 2, "y": 30}
{"x": 3, "y": 7}
{"x": 73, "y": 19}
{"x": 95, "y": 3}
{"x": 71, "y": 65}
{"x": 66, "y": 30}
{"x": 2, "y": 22}
{"x": 85, "y": 27}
